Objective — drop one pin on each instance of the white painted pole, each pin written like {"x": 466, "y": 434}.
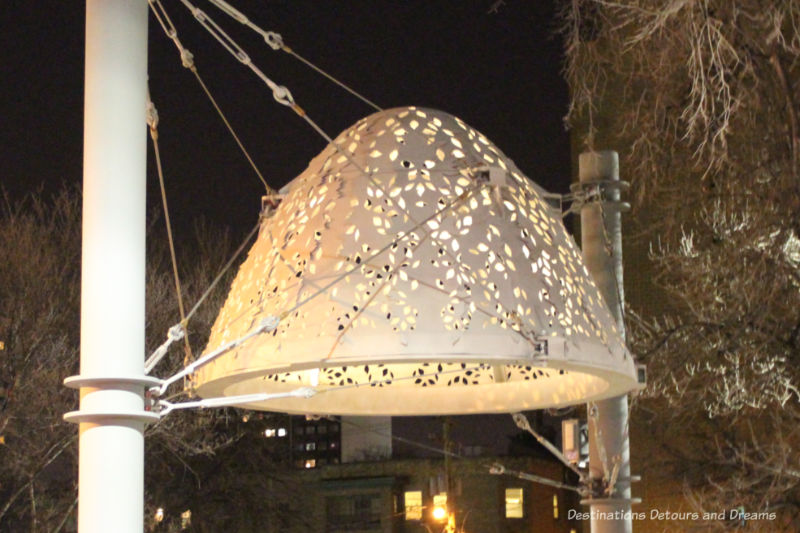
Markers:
{"x": 601, "y": 241}
{"x": 112, "y": 381}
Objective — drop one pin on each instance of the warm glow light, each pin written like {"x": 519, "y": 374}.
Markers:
{"x": 416, "y": 271}
{"x": 439, "y": 513}
{"x": 186, "y": 519}
{"x": 159, "y": 514}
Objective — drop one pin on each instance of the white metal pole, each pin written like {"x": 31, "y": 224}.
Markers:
{"x": 112, "y": 381}
{"x": 601, "y": 241}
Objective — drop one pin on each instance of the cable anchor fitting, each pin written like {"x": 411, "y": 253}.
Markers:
{"x": 151, "y": 115}
{"x": 605, "y": 192}
{"x": 274, "y": 40}
{"x": 497, "y": 469}
{"x": 282, "y": 95}
{"x": 187, "y": 58}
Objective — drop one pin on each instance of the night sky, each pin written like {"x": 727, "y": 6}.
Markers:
{"x": 499, "y": 71}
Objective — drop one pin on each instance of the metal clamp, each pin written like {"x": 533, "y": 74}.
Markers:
{"x": 111, "y": 383}
{"x": 602, "y": 192}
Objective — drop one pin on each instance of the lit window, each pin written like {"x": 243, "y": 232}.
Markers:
{"x": 310, "y": 463}
{"x": 310, "y": 446}
{"x": 281, "y": 432}
{"x": 413, "y": 504}
{"x": 513, "y": 503}
{"x": 555, "y": 506}
{"x": 269, "y": 432}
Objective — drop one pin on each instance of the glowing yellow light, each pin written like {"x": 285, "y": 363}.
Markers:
{"x": 159, "y": 514}
{"x": 186, "y": 518}
{"x": 475, "y": 288}
{"x": 439, "y": 513}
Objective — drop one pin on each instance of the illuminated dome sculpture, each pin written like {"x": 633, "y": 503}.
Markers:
{"x": 416, "y": 271}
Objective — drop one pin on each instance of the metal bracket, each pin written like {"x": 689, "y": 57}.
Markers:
{"x": 270, "y": 202}
{"x": 111, "y": 384}
{"x": 604, "y": 192}
{"x": 541, "y": 347}
{"x": 494, "y": 176}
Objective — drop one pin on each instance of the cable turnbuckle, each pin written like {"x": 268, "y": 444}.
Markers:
{"x": 274, "y": 40}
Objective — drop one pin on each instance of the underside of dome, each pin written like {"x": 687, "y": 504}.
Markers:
{"x": 416, "y": 270}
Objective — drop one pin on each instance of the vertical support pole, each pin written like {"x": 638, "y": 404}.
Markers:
{"x": 112, "y": 382}
{"x": 449, "y": 485}
{"x": 601, "y": 241}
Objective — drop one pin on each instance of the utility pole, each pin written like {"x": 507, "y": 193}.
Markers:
{"x": 449, "y": 486}
{"x": 112, "y": 415}
{"x": 601, "y": 241}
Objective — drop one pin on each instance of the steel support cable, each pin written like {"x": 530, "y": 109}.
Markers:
{"x": 271, "y": 37}
{"x": 499, "y": 469}
{"x": 385, "y": 193}
{"x": 617, "y": 460}
{"x": 224, "y": 39}
{"x": 270, "y": 323}
{"x": 275, "y": 41}
{"x": 609, "y": 245}
{"x": 404, "y": 440}
{"x": 187, "y": 59}
{"x": 280, "y": 93}
{"x": 339, "y": 277}
{"x": 522, "y": 422}
{"x": 270, "y": 190}
{"x": 450, "y": 205}
{"x": 598, "y": 437}
{"x": 378, "y": 290}
{"x": 152, "y": 122}
{"x": 331, "y": 78}
{"x": 496, "y": 468}
{"x": 166, "y": 407}
{"x": 224, "y": 270}
{"x": 283, "y": 96}
{"x": 308, "y": 392}
{"x": 379, "y": 186}
{"x": 176, "y": 332}
{"x": 267, "y": 324}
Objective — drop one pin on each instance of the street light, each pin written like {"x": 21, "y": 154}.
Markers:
{"x": 439, "y": 513}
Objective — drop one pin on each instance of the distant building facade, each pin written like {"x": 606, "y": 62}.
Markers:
{"x": 356, "y": 481}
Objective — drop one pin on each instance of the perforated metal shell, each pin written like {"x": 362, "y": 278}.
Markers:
{"x": 417, "y": 271}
